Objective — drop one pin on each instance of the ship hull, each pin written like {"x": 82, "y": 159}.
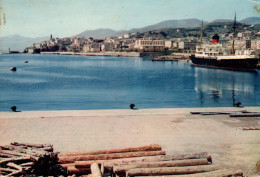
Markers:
{"x": 236, "y": 64}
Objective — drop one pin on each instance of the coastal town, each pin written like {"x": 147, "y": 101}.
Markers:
{"x": 99, "y": 88}
{"x": 153, "y": 43}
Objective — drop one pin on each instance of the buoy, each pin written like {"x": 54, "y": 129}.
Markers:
{"x": 13, "y": 68}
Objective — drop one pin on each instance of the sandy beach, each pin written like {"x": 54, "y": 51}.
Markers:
{"x": 175, "y": 129}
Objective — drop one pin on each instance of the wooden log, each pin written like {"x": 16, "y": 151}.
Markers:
{"x": 251, "y": 128}
{"x": 15, "y": 153}
{"x": 12, "y": 147}
{"x": 245, "y": 115}
{"x": 35, "y": 152}
{"x": 17, "y": 159}
{"x": 95, "y": 171}
{"x": 219, "y": 112}
{"x": 153, "y": 147}
{"x": 216, "y": 173}
{"x": 7, "y": 170}
{"x": 66, "y": 165}
{"x": 31, "y": 145}
{"x": 71, "y": 159}
{"x": 108, "y": 165}
{"x": 84, "y": 164}
{"x": 16, "y": 173}
{"x": 13, "y": 165}
{"x": 49, "y": 149}
{"x": 22, "y": 155}
{"x": 27, "y": 164}
{"x": 170, "y": 170}
{"x": 77, "y": 171}
{"x": 177, "y": 163}
{"x": 6, "y": 155}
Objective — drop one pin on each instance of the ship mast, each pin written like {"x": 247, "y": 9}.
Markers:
{"x": 201, "y": 33}
{"x": 234, "y": 35}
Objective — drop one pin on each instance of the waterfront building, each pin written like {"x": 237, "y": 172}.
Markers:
{"x": 107, "y": 47}
{"x": 187, "y": 45}
{"x": 169, "y": 44}
{"x": 92, "y": 47}
{"x": 150, "y": 45}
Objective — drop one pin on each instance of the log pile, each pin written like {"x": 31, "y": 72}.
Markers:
{"x": 28, "y": 159}
{"x": 135, "y": 161}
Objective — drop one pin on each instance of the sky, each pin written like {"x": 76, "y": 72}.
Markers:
{"x": 64, "y": 18}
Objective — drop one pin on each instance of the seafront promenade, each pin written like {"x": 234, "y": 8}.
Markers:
{"x": 110, "y": 53}
{"x": 115, "y": 54}
{"x": 175, "y": 129}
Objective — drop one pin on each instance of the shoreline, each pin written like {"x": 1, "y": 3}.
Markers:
{"x": 113, "y": 112}
{"x": 175, "y": 129}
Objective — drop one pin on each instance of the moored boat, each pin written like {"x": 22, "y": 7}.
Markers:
{"x": 212, "y": 56}
{"x": 215, "y": 55}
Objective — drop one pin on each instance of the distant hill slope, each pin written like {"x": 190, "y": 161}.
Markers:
{"x": 222, "y": 20}
{"x": 251, "y": 20}
{"x": 185, "y": 23}
{"x": 98, "y": 33}
{"x": 17, "y": 42}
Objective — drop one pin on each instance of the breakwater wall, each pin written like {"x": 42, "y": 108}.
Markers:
{"x": 117, "y": 54}
{"x": 173, "y": 57}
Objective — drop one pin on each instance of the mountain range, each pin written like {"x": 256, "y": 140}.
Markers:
{"x": 17, "y": 42}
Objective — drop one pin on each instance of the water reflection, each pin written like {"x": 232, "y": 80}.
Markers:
{"x": 219, "y": 85}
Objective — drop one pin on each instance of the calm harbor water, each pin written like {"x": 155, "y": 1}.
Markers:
{"x": 59, "y": 82}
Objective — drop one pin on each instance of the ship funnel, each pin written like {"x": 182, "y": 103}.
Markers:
{"x": 215, "y": 39}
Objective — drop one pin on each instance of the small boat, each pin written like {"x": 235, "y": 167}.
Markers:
{"x": 13, "y": 69}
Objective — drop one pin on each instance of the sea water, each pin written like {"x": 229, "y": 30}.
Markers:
{"x": 72, "y": 82}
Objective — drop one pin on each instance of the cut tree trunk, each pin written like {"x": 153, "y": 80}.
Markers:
{"x": 16, "y": 159}
{"x": 177, "y": 163}
{"x": 31, "y": 145}
{"x": 216, "y": 173}
{"x": 71, "y": 159}
{"x": 84, "y": 164}
{"x": 7, "y": 170}
{"x": 108, "y": 166}
{"x": 13, "y": 165}
{"x": 77, "y": 171}
{"x": 153, "y": 147}
{"x": 66, "y": 165}
{"x": 95, "y": 171}
{"x": 170, "y": 170}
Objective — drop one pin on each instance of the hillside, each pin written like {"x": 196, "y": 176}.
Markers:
{"x": 98, "y": 33}
{"x": 251, "y": 20}
{"x": 17, "y": 42}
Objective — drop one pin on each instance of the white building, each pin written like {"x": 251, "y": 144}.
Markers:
{"x": 150, "y": 45}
